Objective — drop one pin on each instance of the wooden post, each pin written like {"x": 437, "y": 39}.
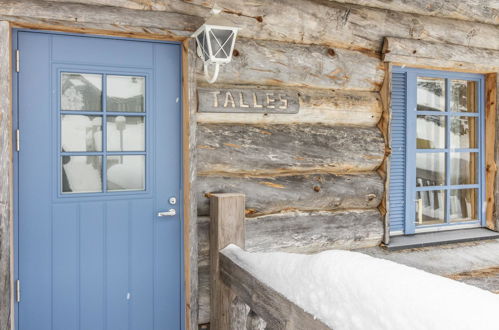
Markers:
{"x": 227, "y": 227}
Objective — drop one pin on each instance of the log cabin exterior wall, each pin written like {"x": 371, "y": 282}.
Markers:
{"x": 313, "y": 180}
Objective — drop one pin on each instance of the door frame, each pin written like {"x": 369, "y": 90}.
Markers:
{"x": 187, "y": 128}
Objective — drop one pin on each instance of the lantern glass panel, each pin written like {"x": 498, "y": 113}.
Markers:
{"x": 203, "y": 43}
{"x": 221, "y": 43}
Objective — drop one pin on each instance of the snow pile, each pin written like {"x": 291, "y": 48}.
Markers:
{"x": 350, "y": 290}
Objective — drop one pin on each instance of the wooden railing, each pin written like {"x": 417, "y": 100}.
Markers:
{"x": 238, "y": 299}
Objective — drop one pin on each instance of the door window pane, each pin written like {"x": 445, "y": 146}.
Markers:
{"x": 125, "y": 133}
{"x": 463, "y": 96}
{"x": 430, "y": 132}
{"x": 463, "y": 168}
{"x": 431, "y": 94}
{"x": 125, "y": 172}
{"x": 430, "y": 169}
{"x": 463, "y": 205}
{"x": 81, "y": 91}
{"x": 430, "y": 207}
{"x": 125, "y": 93}
{"x": 463, "y": 132}
{"x": 81, "y": 174}
{"x": 81, "y": 133}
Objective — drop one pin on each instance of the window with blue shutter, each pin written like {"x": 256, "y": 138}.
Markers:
{"x": 437, "y": 160}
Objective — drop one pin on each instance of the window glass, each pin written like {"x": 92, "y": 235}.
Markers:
{"x": 431, "y": 94}
{"x": 81, "y": 91}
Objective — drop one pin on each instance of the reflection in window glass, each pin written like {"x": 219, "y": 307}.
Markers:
{"x": 463, "y": 168}
{"x": 430, "y": 169}
{"x": 463, "y": 96}
{"x": 81, "y": 91}
{"x": 125, "y": 173}
{"x": 463, "y": 205}
{"x": 81, "y": 174}
{"x": 430, "y": 132}
{"x": 81, "y": 133}
{"x": 125, "y": 133}
{"x": 431, "y": 94}
{"x": 463, "y": 132}
{"x": 430, "y": 207}
{"x": 125, "y": 93}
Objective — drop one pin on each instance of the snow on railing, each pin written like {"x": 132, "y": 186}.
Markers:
{"x": 332, "y": 289}
{"x": 238, "y": 299}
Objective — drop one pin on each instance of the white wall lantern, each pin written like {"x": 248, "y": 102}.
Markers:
{"x": 215, "y": 43}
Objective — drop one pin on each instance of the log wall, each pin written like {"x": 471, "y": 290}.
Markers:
{"x": 311, "y": 178}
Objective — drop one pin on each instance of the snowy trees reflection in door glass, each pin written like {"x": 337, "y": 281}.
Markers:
{"x": 103, "y": 145}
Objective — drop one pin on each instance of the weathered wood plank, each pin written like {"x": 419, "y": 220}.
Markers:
{"x": 439, "y": 55}
{"x": 314, "y": 192}
{"x": 279, "y": 63}
{"x": 287, "y": 149}
{"x": 189, "y": 178}
{"x": 88, "y": 15}
{"x": 272, "y": 306}
{"x": 484, "y": 11}
{"x": 6, "y": 177}
{"x": 490, "y": 139}
{"x": 347, "y": 25}
{"x": 326, "y": 107}
{"x": 227, "y": 227}
{"x": 385, "y": 128}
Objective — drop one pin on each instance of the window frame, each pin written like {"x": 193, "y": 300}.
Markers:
{"x": 411, "y": 113}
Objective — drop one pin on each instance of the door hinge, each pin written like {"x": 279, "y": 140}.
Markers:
{"x": 18, "y": 143}
{"x": 18, "y": 291}
{"x": 18, "y": 55}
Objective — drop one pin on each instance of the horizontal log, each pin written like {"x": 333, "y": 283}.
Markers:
{"x": 484, "y": 11}
{"x": 327, "y": 107}
{"x": 347, "y": 25}
{"x": 99, "y": 17}
{"x": 304, "y": 232}
{"x": 431, "y": 54}
{"x": 314, "y": 192}
{"x": 287, "y": 149}
{"x": 298, "y": 21}
{"x": 294, "y": 232}
{"x": 271, "y": 63}
{"x": 272, "y": 306}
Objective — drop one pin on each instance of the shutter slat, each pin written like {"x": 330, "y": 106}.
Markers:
{"x": 398, "y": 125}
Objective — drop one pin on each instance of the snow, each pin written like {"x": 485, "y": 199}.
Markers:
{"x": 351, "y": 290}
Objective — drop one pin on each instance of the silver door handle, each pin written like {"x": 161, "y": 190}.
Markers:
{"x": 169, "y": 213}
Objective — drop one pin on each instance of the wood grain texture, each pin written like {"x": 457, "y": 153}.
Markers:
{"x": 347, "y": 25}
{"x": 326, "y": 107}
{"x": 279, "y": 63}
{"x": 6, "y": 177}
{"x": 314, "y": 192}
{"x": 189, "y": 103}
{"x": 227, "y": 227}
{"x": 255, "y": 322}
{"x": 490, "y": 139}
{"x": 484, "y": 11}
{"x": 105, "y": 17}
{"x": 277, "y": 311}
{"x": 385, "y": 128}
{"x": 440, "y": 55}
{"x": 287, "y": 149}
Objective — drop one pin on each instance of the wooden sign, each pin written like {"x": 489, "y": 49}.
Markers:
{"x": 247, "y": 100}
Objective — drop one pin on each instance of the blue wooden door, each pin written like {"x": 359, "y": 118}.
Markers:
{"x": 99, "y": 122}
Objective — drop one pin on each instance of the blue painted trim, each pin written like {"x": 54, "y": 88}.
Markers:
{"x": 15, "y": 126}
{"x": 411, "y": 189}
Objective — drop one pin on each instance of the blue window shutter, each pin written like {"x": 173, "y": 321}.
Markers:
{"x": 397, "y": 194}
